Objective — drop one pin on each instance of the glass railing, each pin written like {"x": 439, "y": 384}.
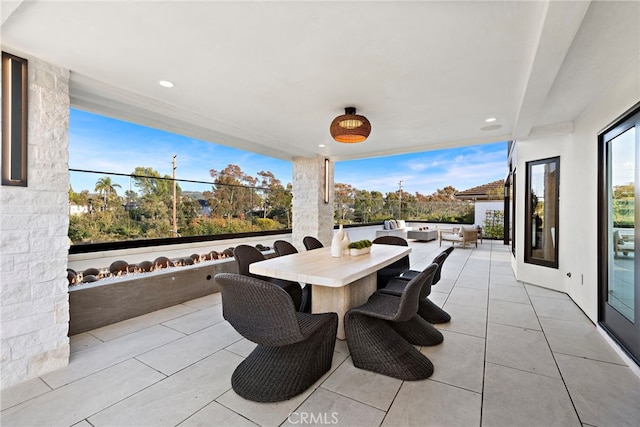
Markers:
{"x": 118, "y": 207}
{"x": 107, "y": 207}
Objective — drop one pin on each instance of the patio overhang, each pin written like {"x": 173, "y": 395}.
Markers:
{"x": 270, "y": 77}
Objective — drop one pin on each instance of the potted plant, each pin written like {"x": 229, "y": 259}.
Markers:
{"x": 360, "y": 247}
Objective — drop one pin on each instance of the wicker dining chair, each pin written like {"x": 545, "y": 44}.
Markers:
{"x": 246, "y": 255}
{"x": 376, "y": 346}
{"x": 293, "y": 349}
{"x": 311, "y": 243}
{"x": 417, "y": 330}
{"x": 428, "y": 310}
{"x": 385, "y": 274}
{"x": 282, "y": 247}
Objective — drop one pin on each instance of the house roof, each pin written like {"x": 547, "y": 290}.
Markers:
{"x": 269, "y": 77}
{"x": 481, "y": 191}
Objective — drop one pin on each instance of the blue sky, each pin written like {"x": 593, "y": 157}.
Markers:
{"x": 103, "y": 144}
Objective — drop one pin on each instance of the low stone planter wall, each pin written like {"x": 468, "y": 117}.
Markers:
{"x": 107, "y": 301}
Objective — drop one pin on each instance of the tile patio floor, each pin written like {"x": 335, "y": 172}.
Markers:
{"x": 513, "y": 355}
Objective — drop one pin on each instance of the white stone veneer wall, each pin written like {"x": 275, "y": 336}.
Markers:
{"x": 34, "y": 223}
{"x": 311, "y": 216}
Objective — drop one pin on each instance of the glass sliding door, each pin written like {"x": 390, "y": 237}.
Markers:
{"x": 620, "y": 280}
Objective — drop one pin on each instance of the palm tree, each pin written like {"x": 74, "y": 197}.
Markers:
{"x": 106, "y": 186}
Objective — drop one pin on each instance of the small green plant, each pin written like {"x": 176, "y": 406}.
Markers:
{"x": 360, "y": 244}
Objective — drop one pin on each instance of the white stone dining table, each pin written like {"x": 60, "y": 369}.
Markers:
{"x": 338, "y": 284}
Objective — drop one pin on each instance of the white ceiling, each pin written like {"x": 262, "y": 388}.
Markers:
{"x": 270, "y": 76}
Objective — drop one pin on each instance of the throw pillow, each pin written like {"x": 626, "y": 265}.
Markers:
{"x": 386, "y": 225}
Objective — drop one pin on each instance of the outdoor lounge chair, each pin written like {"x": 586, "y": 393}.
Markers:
{"x": 246, "y": 255}
{"x": 294, "y": 349}
{"x": 376, "y": 346}
{"x": 396, "y": 268}
{"x": 311, "y": 243}
{"x": 623, "y": 241}
{"x": 282, "y": 248}
{"x": 462, "y": 235}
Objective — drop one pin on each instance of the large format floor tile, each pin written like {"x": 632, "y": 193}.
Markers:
{"x": 513, "y": 314}
{"x": 363, "y": 386}
{"x": 110, "y": 353}
{"x": 469, "y": 296}
{"x": 218, "y": 414}
{"x": 577, "y": 339}
{"x": 603, "y": 393}
{"x": 430, "y": 403}
{"x": 22, "y": 392}
{"x": 129, "y": 326}
{"x": 174, "y": 399}
{"x": 179, "y": 354}
{"x": 509, "y": 293}
{"x": 517, "y": 398}
{"x": 458, "y": 360}
{"x": 466, "y": 320}
{"x": 324, "y": 407}
{"x": 74, "y": 402}
{"x": 519, "y": 348}
{"x": 555, "y": 308}
{"x": 196, "y": 321}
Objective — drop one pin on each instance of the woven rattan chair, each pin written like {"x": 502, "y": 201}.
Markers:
{"x": 311, "y": 243}
{"x": 376, "y": 346}
{"x": 416, "y": 330}
{"x": 282, "y": 247}
{"x": 246, "y": 255}
{"x": 427, "y": 309}
{"x": 294, "y": 349}
{"x": 439, "y": 259}
{"x": 385, "y": 274}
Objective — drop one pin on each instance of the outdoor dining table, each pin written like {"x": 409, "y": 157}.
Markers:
{"x": 338, "y": 284}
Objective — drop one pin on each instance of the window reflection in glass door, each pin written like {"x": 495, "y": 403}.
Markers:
{"x": 542, "y": 212}
{"x": 621, "y": 188}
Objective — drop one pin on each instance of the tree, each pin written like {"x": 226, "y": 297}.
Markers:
{"x": 149, "y": 182}
{"x": 496, "y": 193}
{"x": 276, "y": 201}
{"x": 231, "y": 198}
{"x": 343, "y": 198}
{"x": 155, "y": 205}
{"x": 443, "y": 195}
{"x": 107, "y": 186}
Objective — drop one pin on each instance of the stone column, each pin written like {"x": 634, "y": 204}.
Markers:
{"x": 34, "y": 223}
{"x": 311, "y": 215}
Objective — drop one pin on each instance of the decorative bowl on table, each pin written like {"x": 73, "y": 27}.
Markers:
{"x": 361, "y": 247}
{"x": 356, "y": 252}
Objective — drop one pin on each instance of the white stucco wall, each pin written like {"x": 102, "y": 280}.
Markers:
{"x": 578, "y": 195}
{"x": 481, "y": 208}
{"x": 34, "y": 223}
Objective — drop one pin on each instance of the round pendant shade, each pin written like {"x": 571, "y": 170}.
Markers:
{"x": 350, "y": 127}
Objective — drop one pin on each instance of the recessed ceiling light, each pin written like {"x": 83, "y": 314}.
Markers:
{"x": 321, "y": 145}
{"x": 165, "y": 83}
{"x": 490, "y": 120}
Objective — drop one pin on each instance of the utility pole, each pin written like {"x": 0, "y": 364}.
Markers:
{"x": 175, "y": 222}
{"x": 400, "y": 200}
